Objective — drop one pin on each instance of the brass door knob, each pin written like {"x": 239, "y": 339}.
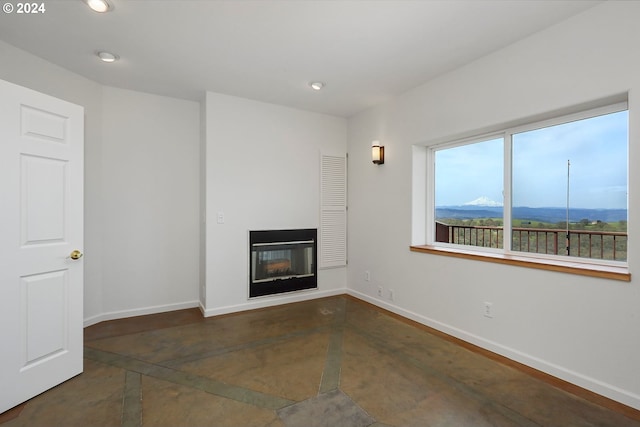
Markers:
{"x": 75, "y": 254}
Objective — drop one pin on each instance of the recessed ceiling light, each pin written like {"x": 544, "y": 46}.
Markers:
{"x": 99, "y": 6}
{"x": 108, "y": 56}
{"x": 316, "y": 85}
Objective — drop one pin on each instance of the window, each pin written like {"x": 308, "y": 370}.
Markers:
{"x": 468, "y": 193}
{"x": 551, "y": 190}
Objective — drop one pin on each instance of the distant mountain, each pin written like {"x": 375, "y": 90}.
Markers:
{"x": 575, "y": 214}
{"x": 531, "y": 214}
{"x": 483, "y": 201}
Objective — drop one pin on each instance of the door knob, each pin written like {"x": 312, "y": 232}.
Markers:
{"x": 75, "y": 254}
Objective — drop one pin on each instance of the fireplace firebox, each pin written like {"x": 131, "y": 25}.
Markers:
{"x": 282, "y": 261}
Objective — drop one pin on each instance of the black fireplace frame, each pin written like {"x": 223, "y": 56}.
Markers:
{"x": 290, "y": 284}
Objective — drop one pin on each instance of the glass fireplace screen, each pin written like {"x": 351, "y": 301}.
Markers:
{"x": 282, "y": 261}
{"x": 273, "y": 261}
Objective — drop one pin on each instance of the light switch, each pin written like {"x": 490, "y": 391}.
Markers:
{"x": 220, "y": 217}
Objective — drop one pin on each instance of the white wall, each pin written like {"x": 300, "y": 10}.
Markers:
{"x": 142, "y": 202}
{"x": 141, "y": 190}
{"x": 150, "y": 197}
{"x": 585, "y": 330}
{"x": 263, "y": 172}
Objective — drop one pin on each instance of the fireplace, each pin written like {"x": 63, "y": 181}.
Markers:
{"x": 282, "y": 261}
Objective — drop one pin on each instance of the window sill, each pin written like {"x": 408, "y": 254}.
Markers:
{"x": 602, "y": 271}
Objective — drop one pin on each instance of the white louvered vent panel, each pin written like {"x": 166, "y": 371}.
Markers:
{"x": 334, "y": 181}
{"x": 333, "y": 235}
{"x": 333, "y": 211}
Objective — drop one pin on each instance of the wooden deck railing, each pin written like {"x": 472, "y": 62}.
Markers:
{"x": 582, "y": 243}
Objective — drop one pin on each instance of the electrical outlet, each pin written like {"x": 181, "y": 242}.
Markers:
{"x": 380, "y": 291}
{"x": 367, "y": 276}
{"x": 392, "y": 295}
{"x": 488, "y": 309}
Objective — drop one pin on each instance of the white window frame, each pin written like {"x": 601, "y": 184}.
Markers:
{"x": 431, "y": 169}
{"x": 507, "y": 135}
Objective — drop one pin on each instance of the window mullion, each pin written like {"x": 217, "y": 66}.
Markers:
{"x": 507, "y": 237}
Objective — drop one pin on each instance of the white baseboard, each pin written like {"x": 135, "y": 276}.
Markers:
{"x": 610, "y": 391}
{"x": 121, "y": 314}
{"x": 273, "y": 300}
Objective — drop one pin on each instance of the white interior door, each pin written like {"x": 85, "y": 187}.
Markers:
{"x": 41, "y": 223}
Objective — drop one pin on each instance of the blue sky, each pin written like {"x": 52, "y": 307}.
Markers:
{"x": 596, "y": 148}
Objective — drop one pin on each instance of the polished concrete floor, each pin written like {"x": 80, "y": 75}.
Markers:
{"x": 332, "y": 362}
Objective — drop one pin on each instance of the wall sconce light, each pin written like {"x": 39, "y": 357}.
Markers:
{"x": 377, "y": 153}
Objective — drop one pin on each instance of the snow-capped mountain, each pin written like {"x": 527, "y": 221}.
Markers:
{"x": 483, "y": 201}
